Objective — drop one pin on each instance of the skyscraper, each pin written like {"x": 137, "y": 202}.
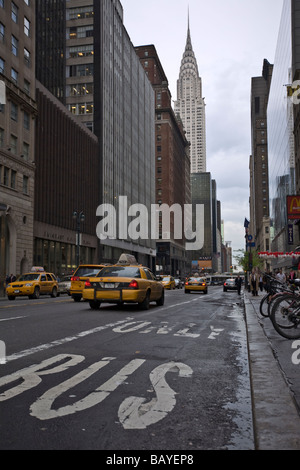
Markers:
{"x": 190, "y": 106}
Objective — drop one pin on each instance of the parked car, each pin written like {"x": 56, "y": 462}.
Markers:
{"x": 195, "y": 284}
{"x": 178, "y": 283}
{"x": 64, "y": 285}
{"x": 168, "y": 282}
{"x": 229, "y": 284}
{"x": 125, "y": 282}
{"x": 33, "y": 285}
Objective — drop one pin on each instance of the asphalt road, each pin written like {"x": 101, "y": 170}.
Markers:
{"x": 174, "y": 378}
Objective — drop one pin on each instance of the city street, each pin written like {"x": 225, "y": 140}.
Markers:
{"x": 174, "y": 377}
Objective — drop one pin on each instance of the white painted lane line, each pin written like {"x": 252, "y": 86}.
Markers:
{"x": 11, "y": 318}
{"x": 68, "y": 339}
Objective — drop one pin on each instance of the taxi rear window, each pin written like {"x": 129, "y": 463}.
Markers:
{"x": 120, "y": 271}
{"x": 87, "y": 271}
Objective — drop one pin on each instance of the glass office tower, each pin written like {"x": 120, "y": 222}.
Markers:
{"x": 124, "y": 122}
{"x": 280, "y": 134}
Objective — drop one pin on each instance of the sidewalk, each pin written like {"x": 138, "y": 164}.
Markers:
{"x": 275, "y": 414}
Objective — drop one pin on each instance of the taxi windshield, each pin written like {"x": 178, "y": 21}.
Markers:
{"x": 29, "y": 277}
{"x": 120, "y": 271}
{"x": 166, "y": 278}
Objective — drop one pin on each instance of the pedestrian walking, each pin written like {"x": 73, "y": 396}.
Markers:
{"x": 254, "y": 282}
{"x": 238, "y": 283}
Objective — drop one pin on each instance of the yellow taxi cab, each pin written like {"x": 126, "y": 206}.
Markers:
{"x": 195, "y": 284}
{"x": 168, "y": 282}
{"x": 80, "y": 276}
{"x": 33, "y": 284}
{"x": 124, "y": 282}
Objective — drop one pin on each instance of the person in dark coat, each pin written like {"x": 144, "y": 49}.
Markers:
{"x": 238, "y": 283}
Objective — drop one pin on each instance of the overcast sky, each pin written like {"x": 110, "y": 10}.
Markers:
{"x": 230, "y": 38}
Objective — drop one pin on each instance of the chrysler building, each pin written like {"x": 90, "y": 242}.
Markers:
{"x": 190, "y": 106}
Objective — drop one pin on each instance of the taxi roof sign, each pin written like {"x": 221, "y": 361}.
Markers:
{"x": 37, "y": 269}
{"x": 127, "y": 258}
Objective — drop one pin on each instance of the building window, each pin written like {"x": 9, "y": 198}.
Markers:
{"x": 26, "y": 27}
{"x": 26, "y": 57}
{"x": 81, "y": 51}
{"x": 2, "y": 65}
{"x": 85, "y": 70}
{"x": 82, "y": 89}
{"x": 26, "y": 121}
{"x": 13, "y": 178}
{"x": 14, "y": 45}
{"x": 27, "y": 86}
{"x": 82, "y": 32}
{"x": 25, "y": 151}
{"x": 6, "y": 176}
{"x": 13, "y": 144}
{"x": 14, "y": 111}
{"x": 2, "y": 32}
{"x": 80, "y": 13}
{"x": 14, "y": 12}
{"x": 14, "y": 76}
{"x": 27, "y": 2}
{"x": 1, "y": 137}
{"x": 25, "y": 184}
{"x": 2, "y": 3}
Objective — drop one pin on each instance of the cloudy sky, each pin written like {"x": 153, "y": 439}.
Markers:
{"x": 230, "y": 38}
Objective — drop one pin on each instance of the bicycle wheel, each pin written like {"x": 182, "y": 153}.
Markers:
{"x": 285, "y": 316}
{"x": 274, "y": 299}
{"x": 263, "y": 306}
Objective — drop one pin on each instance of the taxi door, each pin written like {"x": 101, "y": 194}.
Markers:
{"x": 43, "y": 284}
{"x": 156, "y": 288}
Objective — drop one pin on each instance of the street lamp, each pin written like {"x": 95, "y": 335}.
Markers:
{"x": 79, "y": 216}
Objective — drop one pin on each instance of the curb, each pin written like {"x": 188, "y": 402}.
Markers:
{"x": 276, "y": 419}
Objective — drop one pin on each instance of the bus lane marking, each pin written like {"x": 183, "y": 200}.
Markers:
{"x": 134, "y": 413}
{"x": 42, "y": 408}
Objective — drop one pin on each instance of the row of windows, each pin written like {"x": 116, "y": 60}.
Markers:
{"x": 15, "y": 16}
{"x": 14, "y": 75}
{"x": 13, "y": 145}
{"x": 81, "y": 51}
{"x": 81, "y": 89}
{"x": 80, "y": 13}
{"x": 15, "y": 115}
{"x": 83, "y": 108}
{"x": 8, "y": 178}
{"x": 81, "y": 32}
{"x": 83, "y": 70}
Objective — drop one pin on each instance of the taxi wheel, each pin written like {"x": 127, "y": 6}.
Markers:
{"x": 76, "y": 298}
{"x": 94, "y": 304}
{"x": 54, "y": 292}
{"x": 145, "y": 305}
{"x": 161, "y": 301}
{"x": 11, "y": 297}
{"x": 187, "y": 291}
{"x": 36, "y": 294}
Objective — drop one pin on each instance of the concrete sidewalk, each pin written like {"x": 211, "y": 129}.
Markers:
{"x": 275, "y": 413}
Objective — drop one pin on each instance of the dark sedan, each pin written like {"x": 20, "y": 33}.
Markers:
{"x": 229, "y": 284}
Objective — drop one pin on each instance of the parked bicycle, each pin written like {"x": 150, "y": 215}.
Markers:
{"x": 274, "y": 289}
{"x": 285, "y": 313}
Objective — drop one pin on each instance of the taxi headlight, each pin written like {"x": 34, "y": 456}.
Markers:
{"x": 28, "y": 284}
